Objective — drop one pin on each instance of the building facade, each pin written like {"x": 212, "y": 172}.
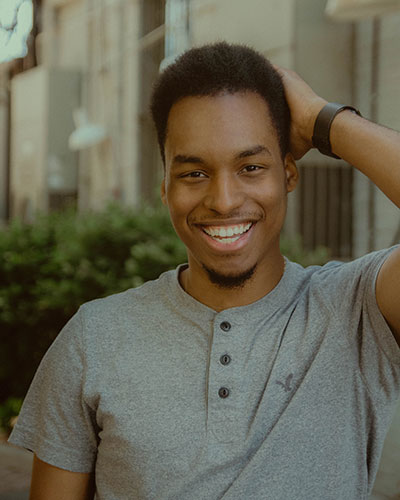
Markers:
{"x": 102, "y": 56}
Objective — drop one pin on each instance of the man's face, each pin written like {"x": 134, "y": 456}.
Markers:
{"x": 225, "y": 182}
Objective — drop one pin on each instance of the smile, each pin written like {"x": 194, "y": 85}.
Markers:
{"x": 227, "y": 234}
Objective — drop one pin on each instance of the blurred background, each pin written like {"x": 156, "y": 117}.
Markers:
{"x": 80, "y": 168}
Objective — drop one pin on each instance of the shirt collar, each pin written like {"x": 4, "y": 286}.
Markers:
{"x": 276, "y": 300}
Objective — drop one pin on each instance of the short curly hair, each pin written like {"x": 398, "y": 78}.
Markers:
{"x": 215, "y": 69}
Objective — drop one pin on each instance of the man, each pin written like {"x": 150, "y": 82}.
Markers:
{"x": 240, "y": 375}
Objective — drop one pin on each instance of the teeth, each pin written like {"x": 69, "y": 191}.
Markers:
{"x": 226, "y": 241}
{"x": 227, "y": 232}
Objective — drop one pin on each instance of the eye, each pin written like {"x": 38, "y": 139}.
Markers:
{"x": 251, "y": 168}
{"x": 194, "y": 175}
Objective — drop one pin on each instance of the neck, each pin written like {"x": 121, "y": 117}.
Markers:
{"x": 263, "y": 281}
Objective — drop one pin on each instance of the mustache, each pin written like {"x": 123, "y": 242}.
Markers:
{"x": 244, "y": 216}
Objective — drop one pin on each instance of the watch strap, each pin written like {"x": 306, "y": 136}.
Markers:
{"x": 322, "y": 126}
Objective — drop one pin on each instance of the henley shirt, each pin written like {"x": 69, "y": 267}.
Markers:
{"x": 289, "y": 397}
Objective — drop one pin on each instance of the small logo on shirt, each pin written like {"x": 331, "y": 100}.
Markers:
{"x": 287, "y": 384}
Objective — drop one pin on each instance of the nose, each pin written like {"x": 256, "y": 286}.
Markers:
{"x": 224, "y": 194}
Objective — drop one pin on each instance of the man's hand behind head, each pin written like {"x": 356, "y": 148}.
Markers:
{"x": 304, "y": 106}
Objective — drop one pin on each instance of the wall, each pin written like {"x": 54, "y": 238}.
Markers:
{"x": 29, "y": 119}
{"x": 267, "y": 26}
{"x": 112, "y": 99}
{"x": 101, "y": 39}
{"x": 43, "y": 168}
{"x": 387, "y": 221}
{"x": 377, "y": 97}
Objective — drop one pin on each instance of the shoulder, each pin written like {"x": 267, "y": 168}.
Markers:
{"x": 337, "y": 271}
{"x": 351, "y": 281}
{"x": 127, "y": 312}
{"x": 131, "y": 300}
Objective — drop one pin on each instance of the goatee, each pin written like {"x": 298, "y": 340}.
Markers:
{"x": 230, "y": 280}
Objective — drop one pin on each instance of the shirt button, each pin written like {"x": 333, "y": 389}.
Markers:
{"x": 225, "y": 326}
{"x": 225, "y": 359}
{"x": 223, "y": 392}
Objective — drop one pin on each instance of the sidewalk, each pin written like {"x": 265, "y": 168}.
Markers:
{"x": 15, "y": 471}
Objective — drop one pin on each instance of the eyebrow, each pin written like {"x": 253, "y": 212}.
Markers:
{"x": 187, "y": 159}
{"x": 255, "y": 150}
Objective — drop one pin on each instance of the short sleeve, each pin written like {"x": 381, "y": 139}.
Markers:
{"x": 55, "y": 422}
{"x": 351, "y": 292}
{"x": 379, "y": 351}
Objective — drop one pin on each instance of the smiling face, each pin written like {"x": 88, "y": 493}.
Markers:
{"x": 226, "y": 185}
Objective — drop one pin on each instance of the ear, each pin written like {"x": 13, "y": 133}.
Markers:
{"x": 292, "y": 174}
{"x": 163, "y": 194}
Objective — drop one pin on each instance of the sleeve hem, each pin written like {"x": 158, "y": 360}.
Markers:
{"x": 385, "y": 338}
{"x": 48, "y": 452}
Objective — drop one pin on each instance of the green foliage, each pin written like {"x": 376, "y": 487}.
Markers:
{"x": 49, "y": 268}
{"x": 9, "y": 410}
{"x": 293, "y": 249}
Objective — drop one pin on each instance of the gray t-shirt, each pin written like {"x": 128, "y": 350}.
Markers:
{"x": 287, "y": 398}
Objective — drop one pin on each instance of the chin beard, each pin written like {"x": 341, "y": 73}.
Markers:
{"x": 230, "y": 280}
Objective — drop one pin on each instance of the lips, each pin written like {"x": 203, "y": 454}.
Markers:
{"x": 227, "y": 234}
{"x": 225, "y": 237}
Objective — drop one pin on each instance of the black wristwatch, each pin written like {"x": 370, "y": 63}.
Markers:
{"x": 322, "y": 126}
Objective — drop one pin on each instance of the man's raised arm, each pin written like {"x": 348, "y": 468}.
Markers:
{"x": 372, "y": 149}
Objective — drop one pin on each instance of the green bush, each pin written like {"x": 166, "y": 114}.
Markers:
{"x": 49, "y": 268}
{"x": 294, "y": 250}
{"x": 8, "y": 411}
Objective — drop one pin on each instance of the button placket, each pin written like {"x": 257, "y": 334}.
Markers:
{"x": 225, "y": 359}
{"x": 223, "y": 380}
{"x": 227, "y": 393}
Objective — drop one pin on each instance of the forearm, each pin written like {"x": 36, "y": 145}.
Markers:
{"x": 371, "y": 148}
{"x": 49, "y": 482}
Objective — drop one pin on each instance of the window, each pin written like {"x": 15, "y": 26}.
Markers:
{"x": 326, "y": 208}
